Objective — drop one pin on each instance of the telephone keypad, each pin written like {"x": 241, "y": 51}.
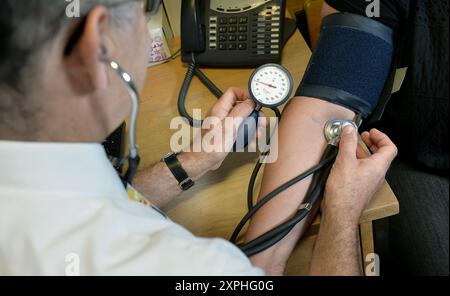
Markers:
{"x": 259, "y": 33}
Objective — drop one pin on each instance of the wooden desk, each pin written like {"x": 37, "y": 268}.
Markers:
{"x": 216, "y": 204}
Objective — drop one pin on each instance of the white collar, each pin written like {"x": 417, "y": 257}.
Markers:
{"x": 66, "y": 169}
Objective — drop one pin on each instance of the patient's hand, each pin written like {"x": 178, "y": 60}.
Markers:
{"x": 356, "y": 176}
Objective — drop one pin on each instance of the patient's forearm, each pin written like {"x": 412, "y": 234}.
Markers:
{"x": 301, "y": 145}
{"x": 336, "y": 248}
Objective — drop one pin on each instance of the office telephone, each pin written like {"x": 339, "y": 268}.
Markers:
{"x": 232, "y": 32}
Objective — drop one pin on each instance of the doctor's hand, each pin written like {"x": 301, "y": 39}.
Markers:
{"x": 213, "y": 144}
{"x": 357, "y": 176}
{"x": 219, "y": 130}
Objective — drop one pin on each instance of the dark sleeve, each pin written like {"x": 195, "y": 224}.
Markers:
{"x": 390, "y": 10}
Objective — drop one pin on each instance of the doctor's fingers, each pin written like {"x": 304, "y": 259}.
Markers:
{"x": 347, "y": 146}
{"x": 242, "y": 109}
{"x": 228, "y": 101}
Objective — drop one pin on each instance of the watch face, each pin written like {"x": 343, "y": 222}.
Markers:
{"x": 271, "y": 85}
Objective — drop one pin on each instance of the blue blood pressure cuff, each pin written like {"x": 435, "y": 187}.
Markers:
{"x": 351, "y": 64}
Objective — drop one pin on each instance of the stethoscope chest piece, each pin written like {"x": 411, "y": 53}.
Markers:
{"x": 333, "y": 130}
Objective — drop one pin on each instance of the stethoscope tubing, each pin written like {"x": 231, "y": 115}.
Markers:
{"x": 327, "y": 160}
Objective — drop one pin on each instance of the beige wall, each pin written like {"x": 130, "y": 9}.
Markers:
{"x": 173, "y": 8}
{"x": 294, "y": 6}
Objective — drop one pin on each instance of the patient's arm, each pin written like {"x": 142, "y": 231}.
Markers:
{"x": 301, "y": 145}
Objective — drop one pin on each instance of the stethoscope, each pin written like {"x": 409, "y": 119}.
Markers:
{"x": 133, "y": 157}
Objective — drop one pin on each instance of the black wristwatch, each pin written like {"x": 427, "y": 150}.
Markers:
{"x": 174, "y": 165}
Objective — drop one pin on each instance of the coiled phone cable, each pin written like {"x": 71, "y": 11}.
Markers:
{"x": 192, "y": 71}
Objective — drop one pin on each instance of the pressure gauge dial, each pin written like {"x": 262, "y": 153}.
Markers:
{"x": 271, "y": 85}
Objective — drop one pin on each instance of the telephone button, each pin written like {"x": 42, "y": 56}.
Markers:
{"x": 233, "y": 20}
{"x": 222, "y": 29}
{"x": 243, "y": 20}
{"x": 232, "y": 46}
{"x": 242, "y": 46}
{"x": 242, "y": 29}
{"x": 223, "y": 21}
{"x": 232, "y": 38}
{"x": 222, "y": 38}
{"x": 222, "y": 46}
{"x": 232, "y": 29}
{"x": 242, "y": 37}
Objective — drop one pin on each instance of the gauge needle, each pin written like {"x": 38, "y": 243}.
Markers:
{"x": 266, "y": 84}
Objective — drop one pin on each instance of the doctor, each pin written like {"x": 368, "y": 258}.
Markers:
{"x": 64, "y": 210}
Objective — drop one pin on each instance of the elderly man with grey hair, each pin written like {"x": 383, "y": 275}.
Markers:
{"x": 62, "y": 204}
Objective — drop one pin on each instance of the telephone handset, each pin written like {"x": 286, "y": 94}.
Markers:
{"x": 192, "y": 28}
{"x": 232, "y": 32}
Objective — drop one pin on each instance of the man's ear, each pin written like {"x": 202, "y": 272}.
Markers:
{"x": 83, "y": 49}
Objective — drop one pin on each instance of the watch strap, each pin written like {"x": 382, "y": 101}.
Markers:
{"x": 180, "y": 174}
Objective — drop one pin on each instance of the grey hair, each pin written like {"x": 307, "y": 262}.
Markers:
{"x": 28, "y": 25}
